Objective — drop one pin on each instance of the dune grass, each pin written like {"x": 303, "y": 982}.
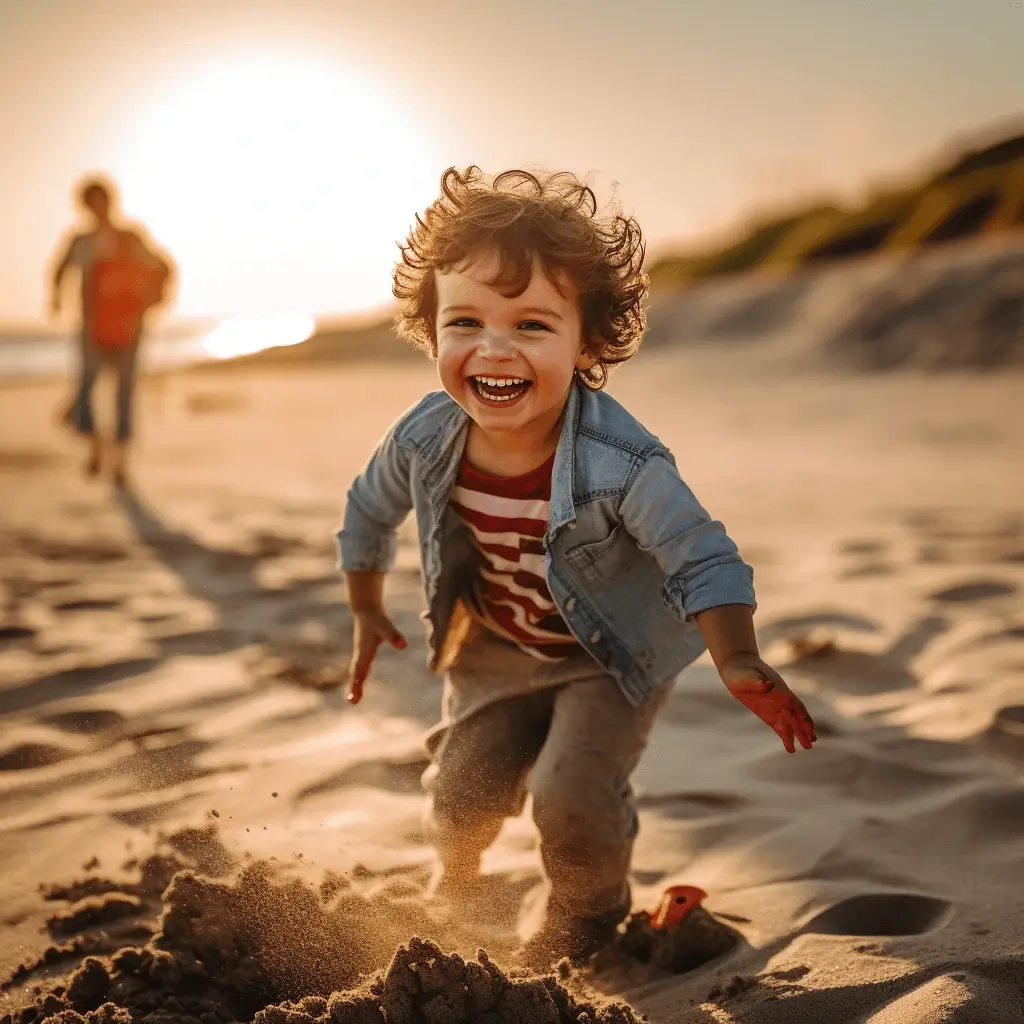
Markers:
{"x": 981, "y": 191}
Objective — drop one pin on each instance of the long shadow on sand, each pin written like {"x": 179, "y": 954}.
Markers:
{"x": 250, "y": 615}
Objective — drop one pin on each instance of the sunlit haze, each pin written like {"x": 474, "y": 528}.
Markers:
{"x": 253, "y": 332}
{"x": 274, "y": 181}
{"x": 279, "y": 151}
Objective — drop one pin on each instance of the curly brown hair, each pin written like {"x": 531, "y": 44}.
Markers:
{"x": 552, "y": 217}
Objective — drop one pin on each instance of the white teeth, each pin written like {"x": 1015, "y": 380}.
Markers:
{"x": 501, "y": 382}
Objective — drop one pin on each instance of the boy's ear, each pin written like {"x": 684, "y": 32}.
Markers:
{"x": 590, "y": 353}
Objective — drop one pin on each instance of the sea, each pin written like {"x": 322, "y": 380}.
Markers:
{"x": 28, "y": 353}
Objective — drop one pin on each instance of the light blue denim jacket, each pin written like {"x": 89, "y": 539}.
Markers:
{"x": 632, "y": 557}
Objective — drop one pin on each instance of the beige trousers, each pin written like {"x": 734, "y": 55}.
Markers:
{"x": 564, "y": 733}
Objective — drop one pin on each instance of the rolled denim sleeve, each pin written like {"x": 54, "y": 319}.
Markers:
{"x": 377, "y": 502}
{"x": 703, "y": 568}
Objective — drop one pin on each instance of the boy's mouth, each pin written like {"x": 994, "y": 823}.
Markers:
{"x": 499, "y": 390}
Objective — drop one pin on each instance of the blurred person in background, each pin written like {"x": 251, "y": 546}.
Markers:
{"x": 121, "y": 278}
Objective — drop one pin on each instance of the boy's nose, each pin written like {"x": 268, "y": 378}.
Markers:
{"x": 495, "y": 345}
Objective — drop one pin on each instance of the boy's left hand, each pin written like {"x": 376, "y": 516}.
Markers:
{"x": 757, "y": 685}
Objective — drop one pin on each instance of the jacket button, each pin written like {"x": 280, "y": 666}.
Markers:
{"x": 570, "y": 604}
{"x": 594, "y": 637}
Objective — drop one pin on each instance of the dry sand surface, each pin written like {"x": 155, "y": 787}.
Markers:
{"x": 169, "y": 658}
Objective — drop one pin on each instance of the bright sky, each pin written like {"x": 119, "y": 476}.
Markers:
{"x": 278, "y": 149}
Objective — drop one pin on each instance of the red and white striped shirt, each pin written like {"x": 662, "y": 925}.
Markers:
{"x": 508, "y": 517}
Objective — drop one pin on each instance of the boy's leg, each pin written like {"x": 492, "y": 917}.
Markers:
{"x": 584, "y": 810}
{"x": 479, "y": 780}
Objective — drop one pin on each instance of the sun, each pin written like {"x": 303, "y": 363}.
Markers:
{"x": 277, "y": 183}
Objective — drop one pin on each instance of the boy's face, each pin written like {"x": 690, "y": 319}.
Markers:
{"x": 509, "y": 362}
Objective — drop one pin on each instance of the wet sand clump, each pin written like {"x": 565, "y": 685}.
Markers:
{"x": 272, "y": 949}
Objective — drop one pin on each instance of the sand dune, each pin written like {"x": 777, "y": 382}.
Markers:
{"x": 960, "y": 306}
{"x": 169, "y": 663}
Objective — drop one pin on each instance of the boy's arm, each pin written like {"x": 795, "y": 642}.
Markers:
{"x": 371, "y": 627}
{"x": 706, "y": 580}
{"x": 378, "y": 501}
{"x": 728, "y": 630}
{"x": 702, "y": 566}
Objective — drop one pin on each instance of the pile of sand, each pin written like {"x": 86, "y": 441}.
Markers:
{"x": 262, "y": 946}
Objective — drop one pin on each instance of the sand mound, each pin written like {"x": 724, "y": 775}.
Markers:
{"x": 274, "y": 949}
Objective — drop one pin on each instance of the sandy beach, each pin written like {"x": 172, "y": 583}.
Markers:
{"x": 170, "y": 661}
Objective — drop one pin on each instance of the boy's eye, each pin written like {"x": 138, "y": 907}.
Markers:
{"x": 533, "y": 325}
{"x": 463, "y": 321}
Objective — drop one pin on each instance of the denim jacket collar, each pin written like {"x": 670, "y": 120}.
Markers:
{"x": 442, "y": 453}
{"x": 562, "y": 510}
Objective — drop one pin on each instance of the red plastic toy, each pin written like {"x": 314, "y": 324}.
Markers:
{"x": 676, "y": 905}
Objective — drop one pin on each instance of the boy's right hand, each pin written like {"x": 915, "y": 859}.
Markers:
{"x": 371, "y": 629}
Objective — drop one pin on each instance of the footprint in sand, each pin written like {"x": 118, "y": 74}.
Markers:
{"x": 787, "y": 627}
{"x": 200, "y": 403}
{"x": 87, "y": 604}
{"x": 861, "y": 672}
{"x": 393, "y": 776}
{"x": 870, "y": 558}
{"x": 24, "y": 756}
{"x": 153, "y": 618}
{"x": 11, "y": 634}
{"x": 881, "y": 914}
{"x": 1005, "y": 736}
{"x": 1011, "y": 721}
{"x": 864, "y": 547}
{"x": 979, "y": 590}
{"x": 84, "y": 720}
{"x": 866, "y": 569}
{"x": 93, "y": 552}
{"x": 14, "y": 460}
{"x": 945, "y": 539}
{"x": 689, "y": 805}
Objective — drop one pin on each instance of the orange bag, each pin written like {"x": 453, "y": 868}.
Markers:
{"x": 123, "y": 288}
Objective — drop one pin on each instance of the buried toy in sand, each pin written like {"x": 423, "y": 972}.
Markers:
{"x": 679, "y": 936}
